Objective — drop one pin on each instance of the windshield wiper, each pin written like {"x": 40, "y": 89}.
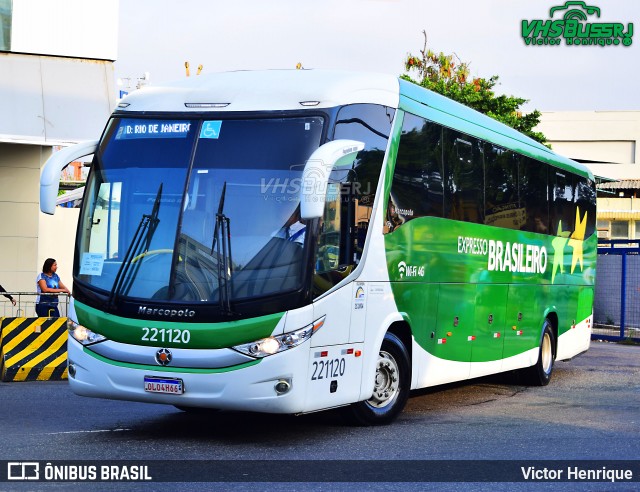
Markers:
{"x": 221, "y": 244}
{"x": 141, "y": 239}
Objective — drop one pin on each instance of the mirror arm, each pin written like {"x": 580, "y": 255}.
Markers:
{"x": 315, "y": 176}
{"x": 50, "y": 176}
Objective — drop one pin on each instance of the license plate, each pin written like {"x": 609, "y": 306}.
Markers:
{"x": 171, "y": 386}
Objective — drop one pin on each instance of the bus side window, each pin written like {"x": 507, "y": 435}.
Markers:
{"x": 371, "y": 124}
{"x": 562, "y": 211}
{"x": 585, "y": 200}
{"x": 332, "y": 261}
{"x": 417, "y": 189}
{"x": 328, "y": 254}
{"x": 351, "y": 194}
{"x": 464, "y": 180}
{"x": 532, "y": 177}
{"x": 502, "y": 198}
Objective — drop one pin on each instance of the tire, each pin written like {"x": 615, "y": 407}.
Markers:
{"x": 391, "y": 387}
{"x": 540, "y": 373}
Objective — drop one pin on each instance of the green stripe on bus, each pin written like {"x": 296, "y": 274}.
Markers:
{"x": 201, "y": 335}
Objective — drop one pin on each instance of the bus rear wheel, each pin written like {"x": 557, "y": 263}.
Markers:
{"x": 540, "y": 373}
{"x": 391, "y": 386}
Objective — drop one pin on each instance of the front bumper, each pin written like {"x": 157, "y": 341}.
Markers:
{"x": 247, "y": 387}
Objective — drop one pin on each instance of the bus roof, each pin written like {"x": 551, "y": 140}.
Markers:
{"x": 279, "y": 90}
{"x": 268, "y": 90}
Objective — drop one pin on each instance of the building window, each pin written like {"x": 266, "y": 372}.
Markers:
{"x": 619, "y": 229}
{"x": 603, "y": 229}
{"x": 5, "y": 24}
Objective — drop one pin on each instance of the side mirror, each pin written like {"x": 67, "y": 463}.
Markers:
{"x": 50, "y": 177}
{"x": 315, "y": 176}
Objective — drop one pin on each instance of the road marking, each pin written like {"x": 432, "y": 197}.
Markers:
{"x": 87, "y": 432}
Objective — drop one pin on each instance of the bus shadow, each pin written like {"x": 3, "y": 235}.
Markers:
{"x": 247, "y": 427}
{"x": 465, "y": 393}
{"x": 232, "y": 426}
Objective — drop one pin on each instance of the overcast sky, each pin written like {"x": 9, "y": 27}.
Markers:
{"x": 158, "y": 36}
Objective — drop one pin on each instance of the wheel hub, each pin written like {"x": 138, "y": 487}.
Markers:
{"x": 387, "y": 381}
{"x": 547, "y": 354}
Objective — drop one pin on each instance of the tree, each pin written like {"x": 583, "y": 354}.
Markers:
{"x": 449, "y": 76}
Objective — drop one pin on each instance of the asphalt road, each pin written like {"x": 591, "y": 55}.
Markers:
{"x": 590, "y": 411}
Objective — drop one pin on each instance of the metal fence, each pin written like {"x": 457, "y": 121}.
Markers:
{"x": 25, "y": 306}
{"x": 616, "y": 309}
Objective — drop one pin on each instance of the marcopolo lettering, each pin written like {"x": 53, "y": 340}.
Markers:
{"x": 171, "y": 313}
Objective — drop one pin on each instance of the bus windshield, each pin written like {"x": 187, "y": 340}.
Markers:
{"x": 196, "y": 211}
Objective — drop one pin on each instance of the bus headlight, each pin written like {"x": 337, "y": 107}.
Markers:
{"x": 82, "y": 334}
{"x": 272, "y": 345}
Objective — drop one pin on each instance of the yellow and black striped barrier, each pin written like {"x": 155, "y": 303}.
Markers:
{"x": 33, "y": 349}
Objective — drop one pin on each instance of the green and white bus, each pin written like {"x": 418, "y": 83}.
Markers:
{"x": 291, "y": 241}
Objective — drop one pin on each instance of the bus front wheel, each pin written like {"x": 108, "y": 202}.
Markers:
{"x": 540, "y": 373}
{"x": 391, "y": 386}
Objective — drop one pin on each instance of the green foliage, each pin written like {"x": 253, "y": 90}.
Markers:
{"x": 447, "y": 75}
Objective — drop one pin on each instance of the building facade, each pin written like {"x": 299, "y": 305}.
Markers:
{"x": 56, "y": 89}
{"x": 608, "y": 142}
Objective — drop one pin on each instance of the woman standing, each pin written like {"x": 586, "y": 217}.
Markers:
{"x": 49, "y": 282}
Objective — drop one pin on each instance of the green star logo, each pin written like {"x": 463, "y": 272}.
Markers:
{"x": 558, "y": 245}
{"x": 574, "y": 240}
